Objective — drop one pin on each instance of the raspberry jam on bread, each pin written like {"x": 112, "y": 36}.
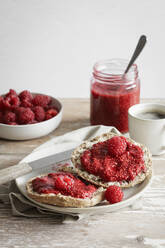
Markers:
{"x": 63, "y": 182}
{"x": 114, "y": 160}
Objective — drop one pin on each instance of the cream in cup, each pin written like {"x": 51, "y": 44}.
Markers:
{"x": 147, "y": 126}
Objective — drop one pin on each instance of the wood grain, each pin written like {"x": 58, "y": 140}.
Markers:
{"x": 140, "y": 225}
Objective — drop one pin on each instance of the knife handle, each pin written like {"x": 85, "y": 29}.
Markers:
{"x": 14, "y": 171}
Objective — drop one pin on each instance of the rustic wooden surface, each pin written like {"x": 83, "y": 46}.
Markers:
{"x": 141, "y": 226}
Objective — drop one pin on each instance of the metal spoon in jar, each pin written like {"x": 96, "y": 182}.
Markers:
{"x": 141, "y": 43}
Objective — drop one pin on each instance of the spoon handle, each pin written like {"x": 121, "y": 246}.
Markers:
{"x": 141, "y": 43}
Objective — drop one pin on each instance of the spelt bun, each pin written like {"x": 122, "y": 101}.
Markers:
{"x": 63, "y": 200}
{"x": 77, "y": 167}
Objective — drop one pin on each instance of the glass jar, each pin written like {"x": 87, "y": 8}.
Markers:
{"x": 112, "y": 94}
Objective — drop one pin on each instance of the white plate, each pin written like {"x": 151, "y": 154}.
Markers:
{"x": 130, "y": 194}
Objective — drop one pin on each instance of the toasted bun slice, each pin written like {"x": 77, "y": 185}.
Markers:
{"x": 75, "y": 158}
{"x": 63, "y": 200}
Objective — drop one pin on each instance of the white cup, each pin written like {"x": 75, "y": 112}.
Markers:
{"x": 150, "y": 132}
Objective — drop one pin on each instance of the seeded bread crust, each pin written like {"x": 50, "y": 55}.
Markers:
{"x": 62, "y": 200}
{"x": 77, "y": 167}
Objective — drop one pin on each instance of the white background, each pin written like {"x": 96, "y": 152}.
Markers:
{"x": 51, "y": 45}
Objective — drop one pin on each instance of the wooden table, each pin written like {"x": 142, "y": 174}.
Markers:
{"x": 128, "y": 228}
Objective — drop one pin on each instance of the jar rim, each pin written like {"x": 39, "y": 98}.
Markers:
{"x": 112, "y": 70}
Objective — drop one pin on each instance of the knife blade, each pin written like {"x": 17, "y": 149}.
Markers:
{"x": 21, "y": 169}
{"x": 58, "y": 157}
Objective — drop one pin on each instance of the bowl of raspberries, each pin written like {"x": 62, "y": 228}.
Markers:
{"x": 28, "y": 115}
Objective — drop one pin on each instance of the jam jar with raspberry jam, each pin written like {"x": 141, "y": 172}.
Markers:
{"x": 112, "y": 94}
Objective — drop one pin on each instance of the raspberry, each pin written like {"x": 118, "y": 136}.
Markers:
{"x": 1, "y": 103}
{"x": 11, "y": 92}
{"x": 41, "y": 100}
{"x": 114, "y": 194}
{"x": 39, "y": 113}
{"x": 11, "y": 102}
{"x": 50, "y": 114}
{"x": 18, "y": 109}
{"x": 13, "y": 123}
{"x": 9, "y": 117}
{"x": 117, "y": 145}
{"x": 50, "y": 106}
{"x": 25, "y": 115}
{"x": 33, "y": 122}
{"x": 26, "y": 103}
{"x": 21, "y": 108}
{"x": 1, "y": 117}
{"x": 124, "y": 159}
{"x": 26, "y": 99}
{"x": 25, "y": 95}
{"x": 135, "y": 151}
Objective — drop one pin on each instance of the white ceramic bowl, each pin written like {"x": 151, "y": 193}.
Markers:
{"x": 32, "y": 131}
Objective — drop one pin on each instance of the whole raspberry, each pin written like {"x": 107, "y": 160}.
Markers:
{"x": 11, "y": 102}
{"x": 135, "y": 151}
{"x": 114, "y": 194}
{"x": 9, "y": 117}
{"x": 1, "y": 103}
{"x": 26, "y": 103}
{"x": 13, "y": 123}
{"x": 39, "y": 113}
{"x": 50, "y": 106}
{"x": 25, "y": 95}
{"x": 25, "y": 116}
{"x": 117, "y": 145}
{"x": 33, "y": 122}
{"x": 50, "y": 114}
{"x": 18, "y": 110}
{"x": 125, "y": 158}
{"x": 41, "y": 100}
{"x": 1, "y": 117}
{"x": 11, "y": 92}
